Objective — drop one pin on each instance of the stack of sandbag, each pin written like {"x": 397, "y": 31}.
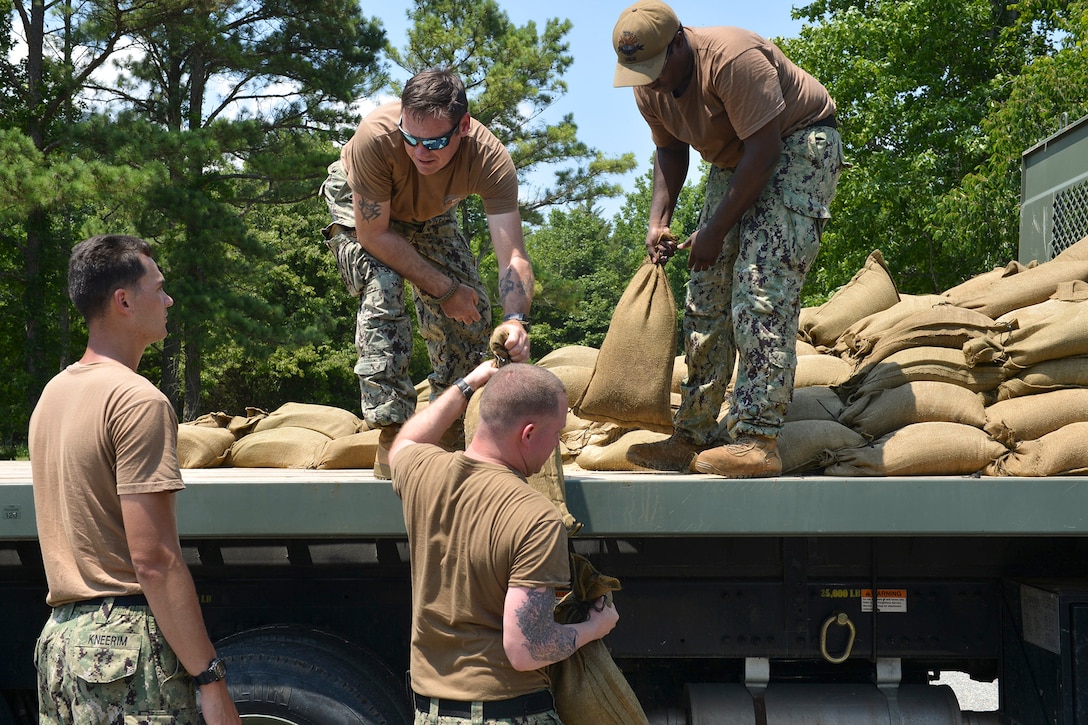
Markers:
{"x": 295, "y": 435}
{"x": 990, "y": 377}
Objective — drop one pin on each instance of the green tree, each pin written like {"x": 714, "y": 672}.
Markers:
{"x": 981, "y": 215}
{"x": 41, "y": 80}
{"x": 231, "y": 98}
{"x": 914, "y": 83}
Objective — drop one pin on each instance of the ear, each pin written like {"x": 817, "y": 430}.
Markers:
{"x": 466, "y": 121}
{"x": 120, "y": 299}
{"x": 527, "y": 432}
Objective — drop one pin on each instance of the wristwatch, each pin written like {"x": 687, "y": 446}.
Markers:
{"x": 520, "y": 317}
{"x": 216, "y": 671}
{"x": 464, "y": 387}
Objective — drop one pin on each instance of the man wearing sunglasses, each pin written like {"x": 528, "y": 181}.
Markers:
{"x": 768, "y": 130}
{"x": 393, "y": 197}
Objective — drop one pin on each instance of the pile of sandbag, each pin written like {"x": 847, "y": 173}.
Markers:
{"x": 990, "y": 377}
{"x": 295, "y": 435}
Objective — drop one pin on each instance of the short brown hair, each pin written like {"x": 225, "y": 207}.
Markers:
{"x": 518, "y": 393}
{"x": 99, "y": 266}
{"x": 437, "y": 92}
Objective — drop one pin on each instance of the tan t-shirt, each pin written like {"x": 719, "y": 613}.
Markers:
{"x": 98, "y": 431}
{"x": 474, "y": 530}
{"x": 740, "y": 82}
{"x": 379, "y": 169}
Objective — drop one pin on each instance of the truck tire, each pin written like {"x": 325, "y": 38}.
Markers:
{"x": 294, "y": 676}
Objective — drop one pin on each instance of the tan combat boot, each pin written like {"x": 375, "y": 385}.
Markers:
{"x": 750, "y": 457}
{"x": 381, "y": 456}
{"x": 675, "y": 453}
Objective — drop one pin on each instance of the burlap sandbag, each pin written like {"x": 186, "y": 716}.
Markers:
{"x": 981, "y": 283}
{"x": 549, "y": 481}
{"x": 815, "y": 402}
{"x": 820, "y": 370}
{"x": 924, "y": 401}
{"x": 578, "y": 355}
{"x": 1061, "y": 452}
{"x": 941, "y": 364}
{"x": 612, "y": 456}
{"x": 575, "y": 378}
{"x": 858, "y": 339}
{"x": 589, "y": 688}
{"x": 941, "y": 325}
{"x": 282, "y": 447}
{"x": 332, "y": 422}
{"x": 1070, "y": 372}
{"x": 632, "y": 379}
{"x": 211, "y": 420}
{"x": 1028, "y": 417}
{"x": 921, "y": 449}
{"x": 203, "y": 446}
{"x": 1036, "y": 313}
{"x": 809, "y": 445}
{"x": 353, "y": 451}
{"x": 1029, "y": 287}
{"x": 1063, "y": 334}
{"x": 870, "y": 290}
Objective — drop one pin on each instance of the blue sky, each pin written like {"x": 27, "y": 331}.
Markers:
{"x": 606, "y": 117}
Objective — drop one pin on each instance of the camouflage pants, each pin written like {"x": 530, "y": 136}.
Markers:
{"x": 748, "y": 303}
{"x": 383, "y": 331}
{"x": 549, "y": 717}
{"x": 107, "y": 665}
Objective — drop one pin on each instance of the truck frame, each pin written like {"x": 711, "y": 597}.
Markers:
{"x": 750, "y": 599}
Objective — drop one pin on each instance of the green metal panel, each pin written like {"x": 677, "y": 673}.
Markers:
{"x": 1054, "y": 193}
{"x": 281, "y": 504}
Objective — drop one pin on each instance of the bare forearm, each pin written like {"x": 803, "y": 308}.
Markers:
{"x": 394, "y": 251}
{"x": 670, "y": 172}
{"x": 172, "y": 596}
{"x": 516, "y": 286}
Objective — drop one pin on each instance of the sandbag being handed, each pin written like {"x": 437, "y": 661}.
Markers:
{"x": 589, "y": 688}
{"x": 632, "y": 377}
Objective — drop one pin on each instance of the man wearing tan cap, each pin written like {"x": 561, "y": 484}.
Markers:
{"x": 768, "y": 130}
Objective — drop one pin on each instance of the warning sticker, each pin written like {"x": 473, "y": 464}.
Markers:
{"x": 887, "y": 600}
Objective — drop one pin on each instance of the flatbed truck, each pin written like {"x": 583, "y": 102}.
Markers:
{"x": 792, "y": 599}
{"x": 799, "y": 599}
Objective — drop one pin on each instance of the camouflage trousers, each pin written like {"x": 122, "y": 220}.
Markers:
{"x": 549, "y": 717}
{"x": 744, "y": 309}
{"x": 109, "y": 665}
{"x": 383, "y": 331}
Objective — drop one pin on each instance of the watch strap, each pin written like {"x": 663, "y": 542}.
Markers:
{"x": 464, "y": 387}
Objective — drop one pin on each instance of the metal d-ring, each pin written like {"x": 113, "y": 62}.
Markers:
{"x": 843, "y": 620}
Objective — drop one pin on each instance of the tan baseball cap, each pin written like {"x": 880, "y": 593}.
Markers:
{"x": 641, "y": 40}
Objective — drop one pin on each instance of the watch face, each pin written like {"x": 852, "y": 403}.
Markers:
{"x": 219, "y": 667}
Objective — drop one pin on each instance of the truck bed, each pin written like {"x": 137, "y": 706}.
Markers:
{"x": 293, "y": 503}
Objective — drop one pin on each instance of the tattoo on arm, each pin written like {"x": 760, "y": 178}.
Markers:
{"x": 369, "y": 209}
{"x": 546, "y": 640}
{"x": 510, "y": 283}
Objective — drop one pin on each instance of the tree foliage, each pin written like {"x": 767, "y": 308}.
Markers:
{"x": 916, "y": 84}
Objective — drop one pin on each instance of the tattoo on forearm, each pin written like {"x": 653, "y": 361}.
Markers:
{"x": 546, "y": 640}
{"x": 369, "y": 209}
{"x": 510, "y": 283}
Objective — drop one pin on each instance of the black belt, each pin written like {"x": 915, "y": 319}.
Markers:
{"x": 131, "y": 600}
{"x": 829, "y": 121}
{"x": 529, "y": 704}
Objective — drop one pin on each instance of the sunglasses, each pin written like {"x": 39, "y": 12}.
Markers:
{"x": 431, "y": 144}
